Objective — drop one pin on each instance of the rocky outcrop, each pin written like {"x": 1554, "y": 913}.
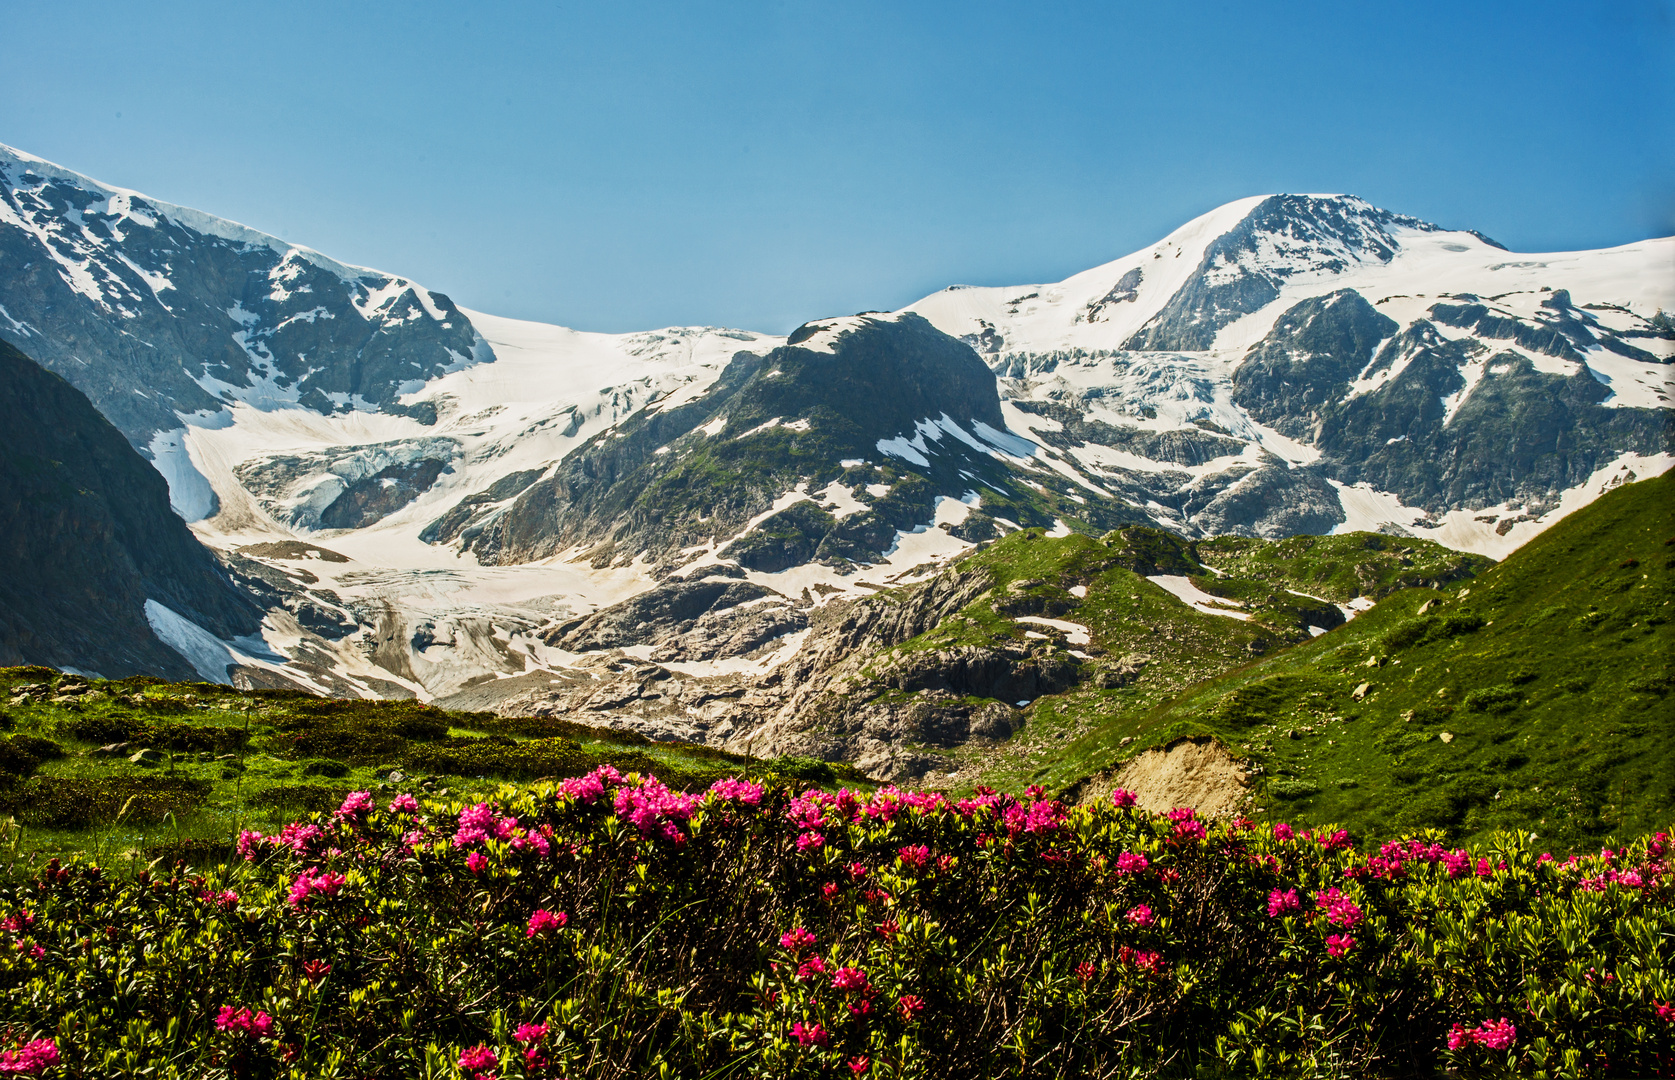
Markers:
{"x": 89, "y": 538}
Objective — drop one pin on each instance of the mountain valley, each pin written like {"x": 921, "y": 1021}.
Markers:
{"x": 1008, "y": 535}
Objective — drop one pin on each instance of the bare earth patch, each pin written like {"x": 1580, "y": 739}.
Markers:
{"x": 1199, "y": 773}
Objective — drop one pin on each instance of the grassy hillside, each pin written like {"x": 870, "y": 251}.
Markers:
{"x": 1144, "y": 645}
{"x": 139, "y": 768}
{"x": 1539, "y": 696}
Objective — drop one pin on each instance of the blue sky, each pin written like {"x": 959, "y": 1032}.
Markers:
{"x": 617, "y": 166}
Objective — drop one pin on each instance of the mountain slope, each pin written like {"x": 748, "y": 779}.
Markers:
{"x": 158, "y": 312}
{"x": 1282, "y": 365}
{"x": 1542, "y": 696}
{"x": 812, "y": 416}
{"x": 90, "y": 543}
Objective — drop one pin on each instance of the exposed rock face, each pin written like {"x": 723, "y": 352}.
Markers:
{"x": 1440, "y": 422}
{"x": 987, "y": 673}
{"x": 89, "y": 538}
{"x": 696, "y": 620}
{"x": 1283, "y": 236}
{"x": 690, "y": 475}
{"x": 153, "y": 310}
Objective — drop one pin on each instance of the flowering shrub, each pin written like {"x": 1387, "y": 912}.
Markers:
{"x": 609, "y": 926}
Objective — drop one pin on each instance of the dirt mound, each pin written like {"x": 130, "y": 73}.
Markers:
{"x": 1199, "y": 773}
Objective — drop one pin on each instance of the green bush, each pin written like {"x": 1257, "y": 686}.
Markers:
{"x": 106, "y": 728}
{"x": 1494, "y": 699}
{"x": 907, "y": 938}
{"x": 69, "y": 803}
{"x": 311, "y": 798}
{"x": 325, "y": 767}
{"x": 20, "y": 754}
{"x": 1287, "y": 788}
{"x": 498, "y": 755}
{"x": 807, "y": 769}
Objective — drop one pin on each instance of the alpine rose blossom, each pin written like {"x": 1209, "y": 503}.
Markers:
{"x": 478, "y": 1057}
{"x": 544, "y": 920}
{"x": 809, "y": 1034}
{"x": 1122, "y": 799}
{"x": 1141, "y": 915}
{"x": 1283, "y": 903}
{"x": 30, "y": 1059}
{"x": 1339, "y": 944}
{"x": 849, "y": 978}
{"x": 796, "y": 939}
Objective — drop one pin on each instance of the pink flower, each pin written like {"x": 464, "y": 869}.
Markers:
{"x": 1130, "y": 863}
{"x": 811, "y": 967}
{"x": 1491, "y": 1034}
{"x": 30, "y": 1059}
{"x": 737, "y": 791}
{"x": 1340, "y": 909}
{"x": 529, "y": 1033}
{"x": 1497, "y": 1034}
{"x": 849, "y": 978}
{"x": 809, "y": 1034}
{"x": 476, "y": 862}
{"x": 1456, "y": 863}
{"x": 795, "y": 940}
{"x": 235, "y": 1020}
{"x": 358, "y": 803}
{"x": 544, "y": 920}
{"x": 308, "y": 883}
{"x": 655, "y": 810}
{"x": 1666, "y": 1011}
{"x": 1283, "y": 903}
{"x": 810, "y": 841}
{"x": 1141, "y": 915}
{"x": 829, "y": 890}
{"x": 857, "y": 871}
{"x": 1282, "y": 831}
{"x": 404, "y": 804}
{"x": 859, "y": 1065}
{"x": 315, "y": 970}
{"x": 1122, "y": 799}
{"x": 478, "y": 1057}
{"x": 1085, "y": 971}
{"x": 1339, "y": 944}
{"x": 910, "y": 1006}
{"x": 915, "y": 857}
{"x": 1142, "y": 959}
{"x": 1189, "y": 829}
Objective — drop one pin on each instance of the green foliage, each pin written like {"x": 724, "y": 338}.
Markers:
{"x": 1341, "y": 568}
{"x": 807, "y": 769}
{"x": 502, "y": 756}
{"x": 65, "y": 803}
{"x": 914, "y": 939}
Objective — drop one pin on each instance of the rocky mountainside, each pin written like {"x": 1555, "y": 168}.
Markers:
{"x": 435, "y": 502}
{"x": 93, "y": 554}
{"x": 861, "y": 425}
{"x": 158, "y": 313}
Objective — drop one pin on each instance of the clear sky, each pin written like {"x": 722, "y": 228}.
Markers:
{"x": 629, "y": 165}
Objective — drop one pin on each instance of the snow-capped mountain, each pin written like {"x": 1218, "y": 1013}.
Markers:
{"x": 435, "y": 501}
{"x": 1427, "y": 379}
